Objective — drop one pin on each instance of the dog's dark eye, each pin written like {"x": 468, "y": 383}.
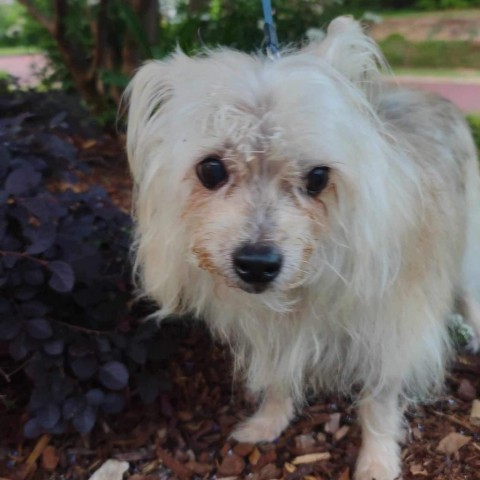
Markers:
{"x": 317, "y": 180}
{"x": 212, "y": 173}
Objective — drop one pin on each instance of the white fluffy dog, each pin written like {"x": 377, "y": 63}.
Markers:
{"x": 322, "y": 225}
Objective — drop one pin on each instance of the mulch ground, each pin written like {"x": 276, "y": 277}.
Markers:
{"x": 185, "y": 433}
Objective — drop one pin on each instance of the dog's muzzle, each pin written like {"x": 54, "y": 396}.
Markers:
{"x": 257, "y": 264}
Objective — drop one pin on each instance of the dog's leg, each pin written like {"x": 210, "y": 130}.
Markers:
{"x": 381, "y": 419}
{"x": 273, "y": 416}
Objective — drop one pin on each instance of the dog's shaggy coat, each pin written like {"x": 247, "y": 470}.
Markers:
{"x": 371, "y": 266}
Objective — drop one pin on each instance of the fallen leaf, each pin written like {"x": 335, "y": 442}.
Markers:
{"x": 311, "y": 458}
{"x": 475, "y": 413}
{"x": 111, "y": 470}
{"x": 452, "y": 443}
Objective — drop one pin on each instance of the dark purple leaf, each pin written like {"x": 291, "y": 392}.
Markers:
{"x": 57, "y": 147}
{"x": 84, "y": 420}
{"x": 114, "y": 375}
{"x": 95, "y": 397}
{"x": 45, "y": 207}
{"x": 35, "y": 276}
{"x": 113, "y": 403}
{"x": 58, "y": 119}
{"x": 54, "y": 347}
{"x": 63, "y": 277}
{"x": 5, "y": 161}
{"x": 9, "y": 327}
{"x": 33, "y": 309}
{"x": 43, "y": 239}
{"x": 59, "y": 429}
{"x": 103, "y": 344}
{"x": 39, "y": 328}
{"x": 36, "y": 372}
{"x": 38, "y": 399}
{"x": 17, "y": 348}
{"x": 137, "y": 351}
{"x": 84, "y": 367}
{"x": 10, "y": 260}
{"x": 21, "y": 180}
{"x": 72, "y": 406}
{"x": 32, "y": 429}
{"x": 25, "y": 292}
{"x": 60, "y": 387}
{"x": 48, "y": 415}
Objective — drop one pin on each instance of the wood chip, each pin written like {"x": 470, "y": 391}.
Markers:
{"x": 475, "y": 413}
{"x": 311, "y": 458}
{"x": 231, "y": 465}
{"x": 341, "y": 433}
{"x": 452, "y": 443}
{"x": 333, "y": 423}
{"x": 304, "y": 442}
{"x": 50, "y": 458}
{"x": 254, "y": 456}
{"x": 289, "y": 467}
{"x": 40, "y": 446}
{"x": 345, "y": 475}
{"x": 110, "y": 470}
{"x": 466, "y": 390}
{"x": 178, "y": 469}
{"x": 243, "y": 449}
{"x": 418, "y": 470}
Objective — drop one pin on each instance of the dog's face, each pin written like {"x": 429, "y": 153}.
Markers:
{"x": 252, "y": 167}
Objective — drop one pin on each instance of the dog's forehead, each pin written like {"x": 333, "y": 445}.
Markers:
{"x": 269, "y": 110}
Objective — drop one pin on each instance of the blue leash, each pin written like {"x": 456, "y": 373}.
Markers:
{"x": 271, "y": 38}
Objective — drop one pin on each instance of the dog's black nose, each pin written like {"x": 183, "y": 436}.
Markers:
{"x": 257, "y": 263}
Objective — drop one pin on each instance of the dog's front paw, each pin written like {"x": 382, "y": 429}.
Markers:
{"x": 369, "y": 468}
{"x": 258, "y": 429}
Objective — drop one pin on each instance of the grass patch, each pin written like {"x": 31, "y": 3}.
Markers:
{"x": 18, "y": 50}
{"x": 430, "y": 54}
{"x": 474, "y": 122}
{"x": 459, "y": 13}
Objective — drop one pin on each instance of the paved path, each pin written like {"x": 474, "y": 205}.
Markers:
{"x": 23, "y": 67}
{"x": 465, "y": 93}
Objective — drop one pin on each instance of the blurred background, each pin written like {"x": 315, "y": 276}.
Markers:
{"x": 93, "y": 46}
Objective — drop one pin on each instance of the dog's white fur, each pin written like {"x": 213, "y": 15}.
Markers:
{"x": 371, "y": 267}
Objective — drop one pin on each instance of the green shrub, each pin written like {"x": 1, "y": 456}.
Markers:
{"x": 474, "y": 122}
{"x": 430, "y": 54}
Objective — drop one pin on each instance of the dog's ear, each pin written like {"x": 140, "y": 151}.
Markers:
{"x": 350, "y": 51}
{"x": 148, "y": 91}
